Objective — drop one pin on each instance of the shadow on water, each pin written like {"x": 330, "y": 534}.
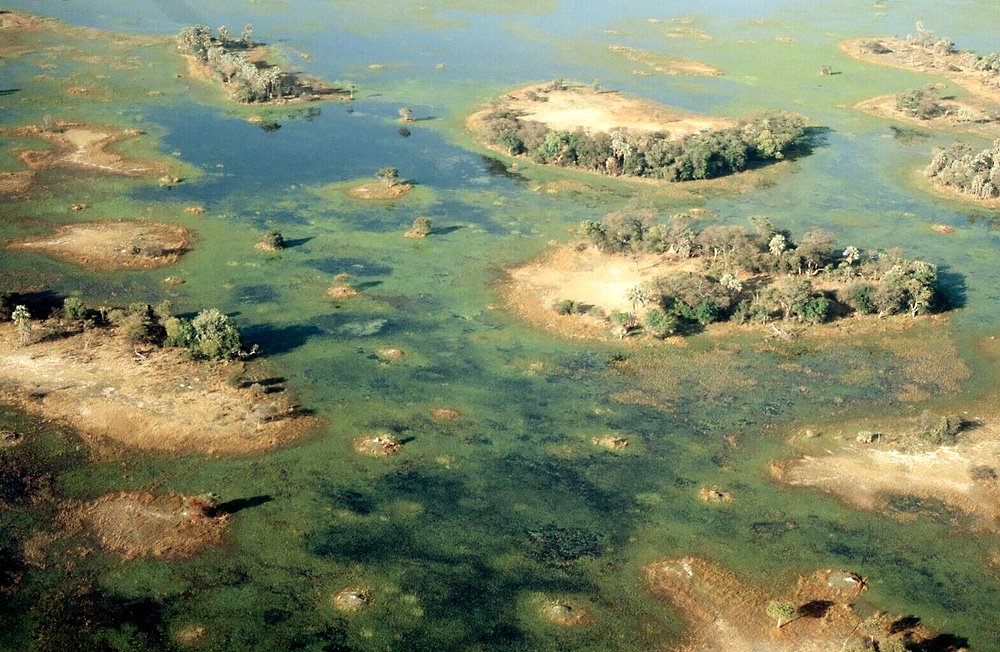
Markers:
{"x": 297, "y": 242}
{"x": 952, "y": 288}
{"x": 275, "y": 340}
{"x": 348, "y": 265}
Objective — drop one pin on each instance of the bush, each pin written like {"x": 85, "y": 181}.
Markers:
{"x": 566, "y": 307}
{"x": 272, "y": 241}
{"x": 919, "y": 103}
{"x": 73, "y": 309}
{"x": 940, "y": 429}
{"x": 217, "y": 338}
{"x": 659, "y": 324}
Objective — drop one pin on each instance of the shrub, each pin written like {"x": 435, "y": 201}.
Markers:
{"x": 658, "y": 323}
{"x": 217, "y": 338}
{"x": 940, "y": 429}
{"x": 272, "y": 241}
{"x": 73, "y": 309}
{"x": 919, "y": 103}
{"x": 421, "y": 227}
{"x": 566, "y": 307}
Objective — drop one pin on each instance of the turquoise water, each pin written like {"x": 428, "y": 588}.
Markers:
{"x": 446, "y": 534}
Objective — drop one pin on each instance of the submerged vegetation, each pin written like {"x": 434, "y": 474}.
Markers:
{"x": 620, "y": 151}
{"x": 755, "y": 276}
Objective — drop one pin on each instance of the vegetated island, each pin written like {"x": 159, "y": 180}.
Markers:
{"x": 143, "y": 378}
{"x": 635, "y": 276}
{"x": 241, "y": 65}
{"x": 609, "y": 133}
{"x": 963, "y": 172}
{"x": 907, "y": 468}
{"x": 925, "y": 52}
{"x": 111, "y": 245}
{"x": 823, "y": 612}
{"x": 926, "y": 107}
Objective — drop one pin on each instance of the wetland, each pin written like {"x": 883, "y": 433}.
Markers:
{"x": 380, "y": 431}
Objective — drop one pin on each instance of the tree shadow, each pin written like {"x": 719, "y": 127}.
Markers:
{"x": 940, "y": 643}
{"x": 9, "y": 91}
{"x": 445, "y": 230}
{"x": 297, "y": 242}
{"x": 815, "y": 609}
{"x": 952, "y": 288}
{"x": 904, "y": 624}
{"x": 238, "y": 505}
{"x": 275, "y": 340}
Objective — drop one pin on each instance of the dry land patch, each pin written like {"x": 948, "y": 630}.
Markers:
{"x": 111, "y": 246}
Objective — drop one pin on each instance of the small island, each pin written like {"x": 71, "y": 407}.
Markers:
{"x": 951, "y": 459}
{"x": 609, "y": 133}
{"x": 818, "y": 612}
{"x": 926, "y": 107}
{"x": 633, "y": 275}
{"x": 142, "y": 378}
{"x": 241, "y": 65}
{"x": 111, "y": 245}
{"x": 961, "y": 171}
{"x": 928, "y": 53}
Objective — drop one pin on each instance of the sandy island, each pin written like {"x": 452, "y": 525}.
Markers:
{"x": 142, "y": 397}
{"x": 578, "y": 107}
{"x": 978, "y": 119}
{"x": 868, "y": 470}
{"x": 954, "y": 66}
{"x": 374, "y": 189}
{"x": 725, "y": 614}
{"x": 657, "y": 63}
{"x": 111, "y": 246}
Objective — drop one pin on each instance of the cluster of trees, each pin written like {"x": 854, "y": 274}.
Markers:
{"x": 226, "y": 57}
{"x": 763, "y": 138}
{"x": 210, "y": 335}
{"x": 920, "y": 103}
{"x": 777, "y": 275}
{"x": 925, "y": 38}
{"x": 967, "y": 170}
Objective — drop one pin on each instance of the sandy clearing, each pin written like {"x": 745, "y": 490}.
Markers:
{"x": 111, "y": 246}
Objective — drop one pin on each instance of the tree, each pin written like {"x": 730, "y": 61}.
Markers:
{"x": 22, "y": 318}
{"x": 217, "y": 338}
{"x": 406, "y": 113}
{"x": 246, "y": 34}
{"x": 622, "y": 323}
{"x": 222, "y": 35}
{"x": 421, "y": 228}
{"x": 388, "y": 175}
{"x": 272, "y": 241}
{"x": 659, "y": 324}
{"x": 780, "y": 611}
{"x": 73, "y": 309}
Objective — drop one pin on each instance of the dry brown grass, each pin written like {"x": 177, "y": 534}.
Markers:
{"x": 15, "y": 182}
{"x": 111, "y": 246}
{"x": 116, "y": 394}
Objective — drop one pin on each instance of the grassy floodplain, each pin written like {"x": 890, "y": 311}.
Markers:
{"x": 480, "y": 521}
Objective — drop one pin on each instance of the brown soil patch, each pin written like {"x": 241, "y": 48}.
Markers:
{"x": 725, "y": 614}
{"x": 657, "y": 63}
{"x": 83, "y": 147}
{"x": 942, "y": 228}
{"x": 979, "y": 120}
{"x": 611, "y": 442}
{"x": 391, "y": 354}
{"x": 112, "y": 246}
{"x": 15, "y": 182}
{"x": 867, "y": 475}
{"x": 445, "y": 413}
{"x": 579, "y": 107}
{"x": 341, "y": 292}
{"x": 565, "y": 613}
{"x": 379, "y": 445}
{"x": 378, "y": 190}
{"x": 715, "y": 495}
{"x": 954, "y": 66}
{"x": 141, "y": 397}
{"x": 352, "y": 599}
{"x": 685, "y": 32}
{"x": 140, "y": 524}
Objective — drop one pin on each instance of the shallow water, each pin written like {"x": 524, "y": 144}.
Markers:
{"x": 456, "y": 535}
